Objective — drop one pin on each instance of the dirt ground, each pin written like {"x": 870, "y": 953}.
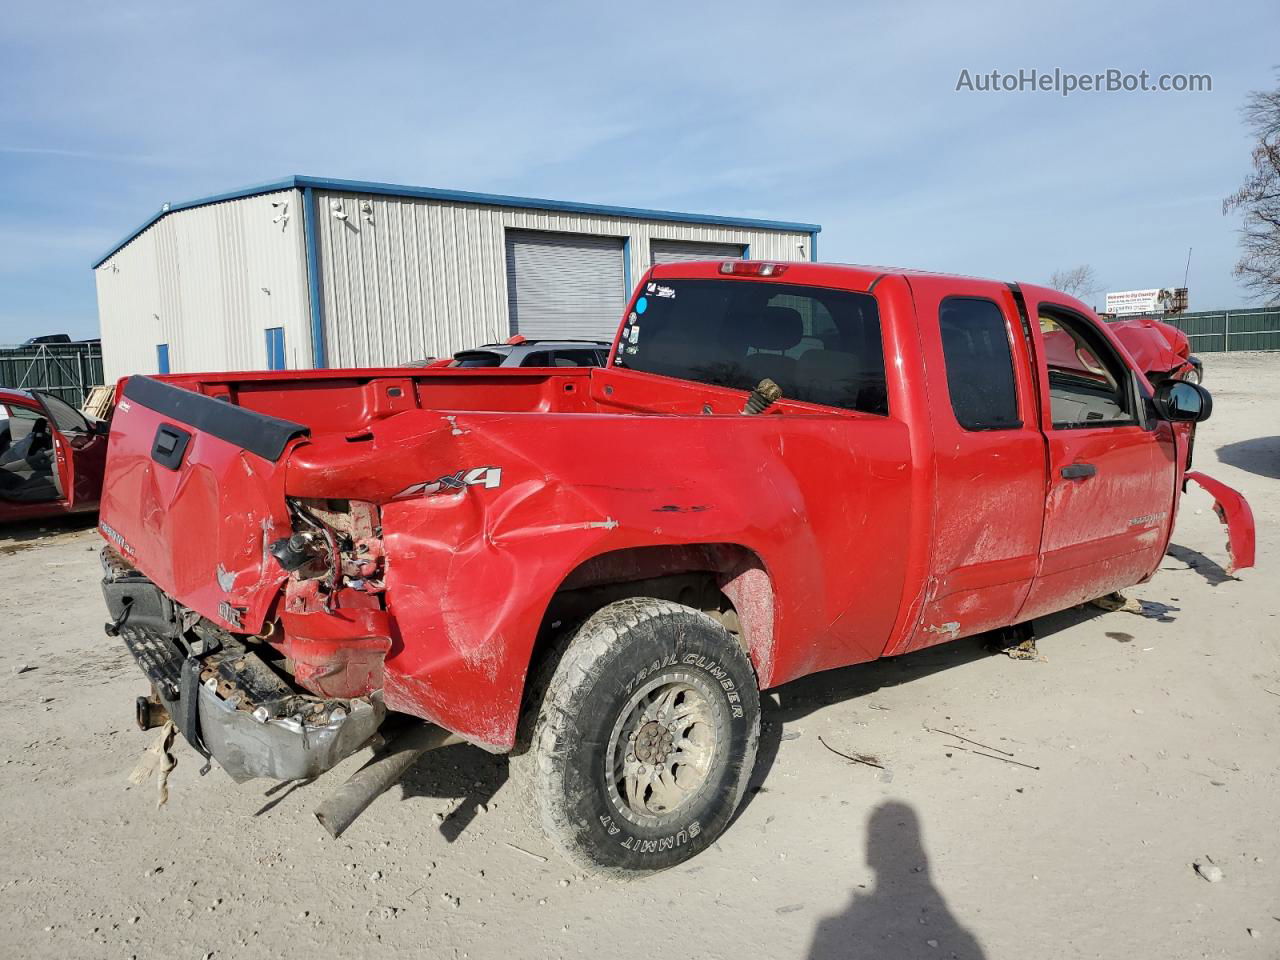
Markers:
{"x": 1135, "y": 747}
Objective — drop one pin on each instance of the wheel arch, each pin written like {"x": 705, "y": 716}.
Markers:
{"x": 726, "y": 580}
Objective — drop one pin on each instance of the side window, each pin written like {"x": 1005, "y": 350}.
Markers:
{"x": 539, "y": 358}
{"x": 576, "y": 358}
{"x": 65, "y": 417}
{"x": 478, "y": 358}
{"x": 1088, "y": 382}
{"x": 975, "y": 345}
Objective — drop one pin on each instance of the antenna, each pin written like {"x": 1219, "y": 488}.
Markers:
{"x": 1186, "y": 273}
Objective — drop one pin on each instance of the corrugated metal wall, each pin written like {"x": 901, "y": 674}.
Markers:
{"x": 404, "y": 279}
{"x": 1221, "y": 330}
{"x": 208, "y": 281}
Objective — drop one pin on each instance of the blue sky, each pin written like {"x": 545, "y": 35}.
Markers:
{"x": 841, "y": 114}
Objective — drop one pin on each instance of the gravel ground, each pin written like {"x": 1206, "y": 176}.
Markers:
{"x": 1144, "y": 744}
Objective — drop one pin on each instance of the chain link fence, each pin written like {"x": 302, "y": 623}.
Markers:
{"x": 66, "y": 370}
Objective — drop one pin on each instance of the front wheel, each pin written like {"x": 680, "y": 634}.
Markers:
{"x": 645, "y": 738}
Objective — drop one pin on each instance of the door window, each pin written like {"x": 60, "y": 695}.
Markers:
{"x": 1089, "y": 385}
{"x": 975, "y": 345}
{"x": 65, "y": 417}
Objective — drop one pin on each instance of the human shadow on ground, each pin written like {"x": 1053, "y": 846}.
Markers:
{"x": 902, "y": 914}
{"x": 1260, "y": 455}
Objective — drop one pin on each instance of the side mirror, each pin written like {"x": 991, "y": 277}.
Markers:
{"x": 1182, "y": 401}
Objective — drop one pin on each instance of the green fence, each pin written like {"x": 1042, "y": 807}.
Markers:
{"x": 1217, "y": 331}
{"x": 66, "y": 370}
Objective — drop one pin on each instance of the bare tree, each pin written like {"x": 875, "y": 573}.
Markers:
{"x": 1080, "y": 282}
{"x": 1259, "y": 200}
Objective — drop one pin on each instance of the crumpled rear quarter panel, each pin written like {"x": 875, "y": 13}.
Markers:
{"x": 470, "y": 573}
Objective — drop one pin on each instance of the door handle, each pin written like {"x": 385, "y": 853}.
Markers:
{"x": 1078, "y": 471}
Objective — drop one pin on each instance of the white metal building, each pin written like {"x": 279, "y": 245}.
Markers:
{"x": 306, "y": 272}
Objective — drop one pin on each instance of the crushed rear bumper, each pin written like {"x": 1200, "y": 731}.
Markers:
{"x": 224, "y": 698}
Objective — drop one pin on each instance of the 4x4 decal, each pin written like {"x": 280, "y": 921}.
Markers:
{"x": 488, "y": 477}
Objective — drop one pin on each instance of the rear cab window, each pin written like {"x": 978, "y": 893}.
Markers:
{"x": 818, "y": 345}
{"x": 979, "y": 362}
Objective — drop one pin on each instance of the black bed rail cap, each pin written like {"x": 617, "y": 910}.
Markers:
{"x": 258, "y": 433}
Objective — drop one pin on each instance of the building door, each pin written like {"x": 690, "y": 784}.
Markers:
{"x": 565, "y": 286}
{"x": 275, "y": 348}
{"x": 682, "y": 251}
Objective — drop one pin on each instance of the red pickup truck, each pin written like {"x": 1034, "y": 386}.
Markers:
{"x": 784, "y": 468}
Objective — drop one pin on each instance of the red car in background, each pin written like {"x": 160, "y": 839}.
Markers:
{"x": 51, "y": 457}
{"x": 1160, "y": 350}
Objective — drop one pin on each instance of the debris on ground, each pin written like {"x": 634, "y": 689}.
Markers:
{"x": 995, "y": 754}
{"x": 158, "y": 760}
{"x": 1116, "y": 602}
{"x": 1017, "y": 642}
{"x": 1209, "y": 871}
{"x": 869, "y": 760}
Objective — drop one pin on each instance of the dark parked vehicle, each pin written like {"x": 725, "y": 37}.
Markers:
{"x": 522, "y": 352}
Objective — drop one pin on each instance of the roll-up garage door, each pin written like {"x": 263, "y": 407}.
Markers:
{"x": 680, "y": 251}
{"x": 564, "y": 286}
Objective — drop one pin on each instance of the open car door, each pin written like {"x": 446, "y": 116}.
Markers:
{"x": 80, "y": 450}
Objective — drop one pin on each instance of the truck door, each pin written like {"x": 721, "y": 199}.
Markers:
{"x": 1112, "y": 467}
{"x": 989, "y": 459}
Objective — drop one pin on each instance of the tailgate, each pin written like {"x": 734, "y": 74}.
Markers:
{"x": 194, "y": 495}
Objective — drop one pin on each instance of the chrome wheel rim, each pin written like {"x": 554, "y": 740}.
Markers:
{"x": 662, "y": 749}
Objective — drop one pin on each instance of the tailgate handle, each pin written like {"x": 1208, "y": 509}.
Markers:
{"x": 170, "y": 445}
{"x": 1078, "y": 471}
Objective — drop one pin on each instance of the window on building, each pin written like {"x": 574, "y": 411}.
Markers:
{"x": 819, "y": 345}
{"x": 975, "y": 345}
{"x": 275, "y": 348}
{"x": 1089, "y": 385}
{"x": 162, "y": 358}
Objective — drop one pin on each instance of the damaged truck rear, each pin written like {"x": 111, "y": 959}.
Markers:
{"x": 784, "y": 468}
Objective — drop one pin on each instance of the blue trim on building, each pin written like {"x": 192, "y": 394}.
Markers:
{"x": 813, "y": 245}
{"x": 626, "y": 269}
{"x": 275, "y": 348}
{"x": 746, "y": 251}
{"x": 162, "y": 358}
{"x": 319, "y": 355}
{"x": 461, "y": 196}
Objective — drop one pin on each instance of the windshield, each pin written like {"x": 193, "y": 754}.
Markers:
{"x": 820, "y": 346}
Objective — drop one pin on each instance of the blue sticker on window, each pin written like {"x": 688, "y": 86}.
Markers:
{"x": 642, "y": 305}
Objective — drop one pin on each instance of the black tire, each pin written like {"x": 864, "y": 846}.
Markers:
{"x": 633, "y": 659}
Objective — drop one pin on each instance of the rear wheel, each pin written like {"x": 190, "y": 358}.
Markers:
{"x": 644, "y": 739}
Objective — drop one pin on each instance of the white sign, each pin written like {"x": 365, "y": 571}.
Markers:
{"x": 1129, "y": 302}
